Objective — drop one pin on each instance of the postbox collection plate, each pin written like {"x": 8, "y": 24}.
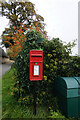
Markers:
{"x": 36, "y": 69}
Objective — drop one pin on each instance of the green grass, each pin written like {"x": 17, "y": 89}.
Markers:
{"x": 0, "y": 98}
{"x": 10, "y": 107}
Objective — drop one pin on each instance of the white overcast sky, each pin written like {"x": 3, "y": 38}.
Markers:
{"x": 60, "y": 17}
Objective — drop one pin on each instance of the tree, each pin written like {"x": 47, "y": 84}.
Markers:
{"x": 20, "y": 37}
{"x": 20, "y": 12}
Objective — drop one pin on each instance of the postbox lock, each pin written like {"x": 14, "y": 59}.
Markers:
{"x": 36, "y": 63}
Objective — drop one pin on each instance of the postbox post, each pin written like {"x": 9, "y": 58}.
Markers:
{"x": 35, "y": 95}
{"x": 36, "y": 70}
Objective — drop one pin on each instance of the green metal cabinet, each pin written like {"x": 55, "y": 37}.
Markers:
{"x": 68, "y": 91}
{"x": 78, "y": 80}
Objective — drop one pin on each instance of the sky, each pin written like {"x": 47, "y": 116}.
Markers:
{"x": 60, "y": 17}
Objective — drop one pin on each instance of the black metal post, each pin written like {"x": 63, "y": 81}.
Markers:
{"x": 34, "y": 110}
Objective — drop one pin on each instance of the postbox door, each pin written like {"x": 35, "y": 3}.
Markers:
{"x": 36, "y": 71}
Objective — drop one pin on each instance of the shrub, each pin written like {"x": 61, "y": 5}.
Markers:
{"x": 55, "y": 63}
{"x": 73, "y": 66}
{"x": 56, "y": 114}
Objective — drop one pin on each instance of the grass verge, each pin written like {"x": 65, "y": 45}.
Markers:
{"x": 10, "y": 107}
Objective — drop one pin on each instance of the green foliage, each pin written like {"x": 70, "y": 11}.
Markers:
{"x": 73, "y": 66}
{"x": 54, "y": 110}
{"x": 56, "y": 114}
{"x": 56, "y": 62}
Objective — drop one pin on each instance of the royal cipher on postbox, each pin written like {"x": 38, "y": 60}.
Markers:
{"x": 36, "y": 65}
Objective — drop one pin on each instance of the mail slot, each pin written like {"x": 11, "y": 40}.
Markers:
{"x": 36, "y": 65}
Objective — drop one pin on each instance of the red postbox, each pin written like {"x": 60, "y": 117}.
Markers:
{"x": 36, "y": 65}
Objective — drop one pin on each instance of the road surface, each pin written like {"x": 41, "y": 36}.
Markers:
{"x": 4, "y": 68}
